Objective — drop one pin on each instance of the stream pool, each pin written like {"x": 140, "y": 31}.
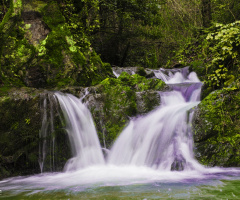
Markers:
{"x": 113, "y": 183}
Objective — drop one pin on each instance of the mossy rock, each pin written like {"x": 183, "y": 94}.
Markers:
{"x": 21, "y": 116}
{"x": 38, "y": 49}
{"x": 216, "y": 128}
{"x": 114, "y": 101}
{"x": 20, "y": 121}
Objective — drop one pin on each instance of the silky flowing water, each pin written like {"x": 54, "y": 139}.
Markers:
{"x": 151, "y": 159}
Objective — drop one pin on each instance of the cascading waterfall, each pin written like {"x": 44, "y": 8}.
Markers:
{"x": 46, "y": 130}
{"x": 82, "y": 134}
{"x": 155, "y": 150}
{"x": 160, "y": 140}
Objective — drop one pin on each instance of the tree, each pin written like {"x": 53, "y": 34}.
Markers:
{"x": 206, "y": 13}
{"x": 122, "y": 22}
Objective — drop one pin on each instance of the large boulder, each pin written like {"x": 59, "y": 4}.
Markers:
{"x": 118, "y": 100}
{"x": 216, "y": 129}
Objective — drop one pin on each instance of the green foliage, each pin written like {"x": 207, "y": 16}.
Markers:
{"x": 214, "y": 55}
{"x": 55, "y": 60}
{"x": 82, "y": 19}
{"x": 180, "y": 20}
{"x": 128, "y": 30}
{"x": 27, "y": 121}
{"x": 223, "y": 44}
{"x": 225, "y": 11}
{"x": 15, "y": 51}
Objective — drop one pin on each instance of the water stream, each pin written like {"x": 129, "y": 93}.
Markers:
{"x": 152, "y": 158}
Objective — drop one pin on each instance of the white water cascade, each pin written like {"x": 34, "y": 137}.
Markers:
{"x": 153, "y": 151}
{"x": 160, "y": 140}
{"x": 163, "y": 139}
{"x": 82, "y": 133}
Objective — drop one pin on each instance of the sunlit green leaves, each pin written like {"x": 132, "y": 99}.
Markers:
{"x": 223, "y": 44}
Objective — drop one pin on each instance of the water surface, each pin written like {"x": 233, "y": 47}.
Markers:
{"x": 125, "y": 182}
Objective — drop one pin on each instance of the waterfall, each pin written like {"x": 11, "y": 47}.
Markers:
{"x": 154, "y": 153}
{"x": 163, "y": 139}
{"x": 160, "y": 140}
{"x": 43, "y": 135}
{"x": 82, "y": 134}
{"x": 46, "y": 130}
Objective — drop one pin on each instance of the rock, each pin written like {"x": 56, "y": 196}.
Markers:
{"x": 38, "y": 49}
{"x": 148, "y": 73}
{"x": 216, "y": 128}
{"x": 115, "y": 101}
{"x": 21, "y": 116}
{"x": 178, "y": 164}
{"x": 147, "y": 101}
{"x": 20, "y": 122}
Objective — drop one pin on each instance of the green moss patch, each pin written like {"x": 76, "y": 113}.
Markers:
{"x": 217, "y": 128}
{"x": 54, "y": 60}
{"x": 120, "y": 99}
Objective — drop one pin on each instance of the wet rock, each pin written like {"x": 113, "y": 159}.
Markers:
{"x": 147, "y": 101}
{"x": 178, "y": 164}
{"x": 148, "y": 73}
{"x": 21, "y": 116}
{"x": 20, "y": 122}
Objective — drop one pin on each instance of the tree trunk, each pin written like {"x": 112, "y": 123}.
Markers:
{"x": 206, "y": 13}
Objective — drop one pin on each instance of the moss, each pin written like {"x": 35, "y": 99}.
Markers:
{"x": 217, "y": 128}
{"x": 36, "y": 6}
{"x": 121, "y": 99}
{"x": 15, "y": 51}
{"x": 6, "y": 19}
{"x": 17, "y": 7}
{"x": 70, "y": 64}
{"x": 141, "y": 71}
{"x": 55, "y": 60}
{"x": 52, "y": 16}
{"x": 20, "y": 122}
{"x": 4, "y": 90}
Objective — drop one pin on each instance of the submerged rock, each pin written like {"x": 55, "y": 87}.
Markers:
{"x": 178, "y": 164}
